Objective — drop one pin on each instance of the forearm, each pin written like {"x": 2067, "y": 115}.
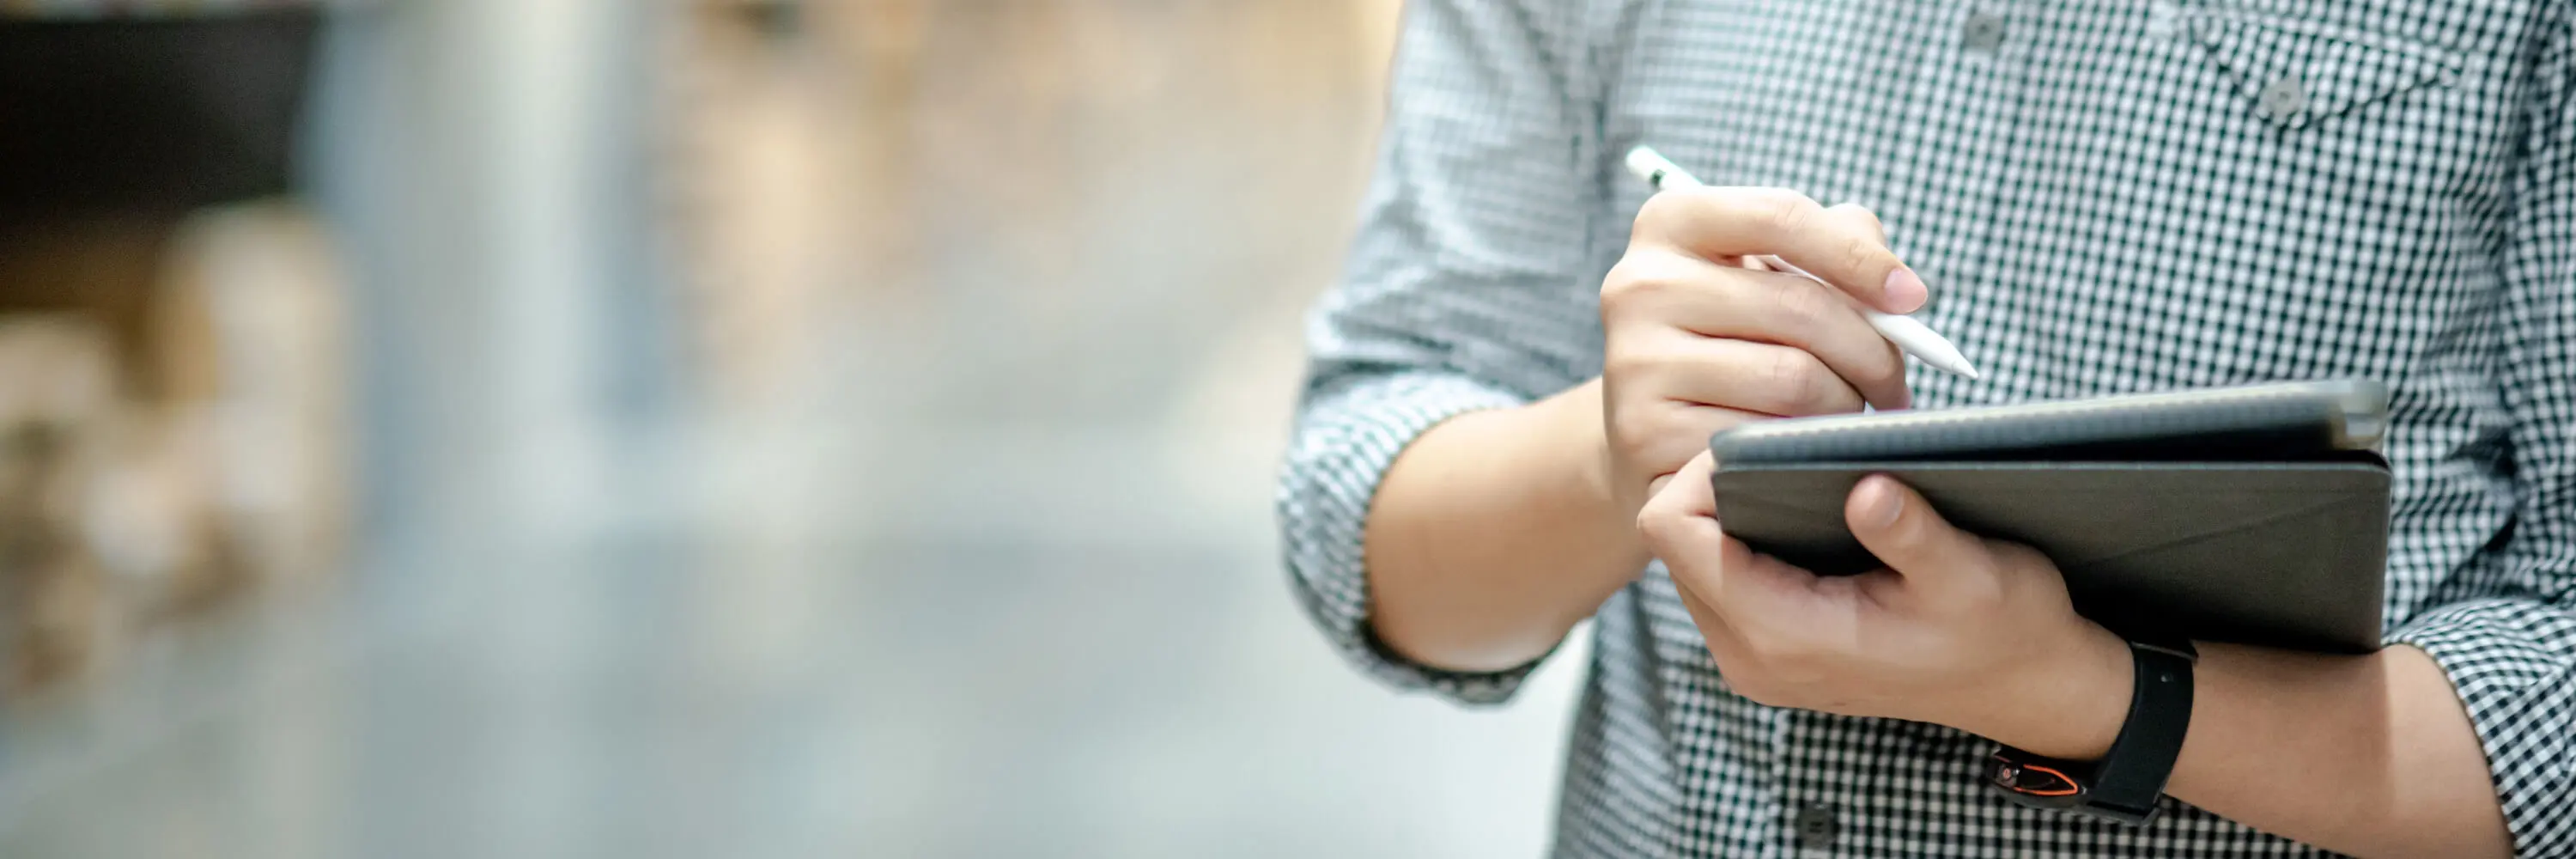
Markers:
{"x": 2368, "y": 755}
{"x": 1494, "y": 534}
{"x": 2371, "y": 756}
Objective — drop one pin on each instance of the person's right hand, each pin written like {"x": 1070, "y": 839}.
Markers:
{"x": 1699, "y": 338}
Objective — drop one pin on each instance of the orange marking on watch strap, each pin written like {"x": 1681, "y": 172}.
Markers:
{"x": 2071, "y": 788}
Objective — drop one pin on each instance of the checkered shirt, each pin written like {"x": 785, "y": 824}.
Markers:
{"x": 2106, "y": 197}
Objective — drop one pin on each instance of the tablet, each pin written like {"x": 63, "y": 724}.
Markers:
{"x": 2254, "y": 514}
{"x": 2278, "y": 420}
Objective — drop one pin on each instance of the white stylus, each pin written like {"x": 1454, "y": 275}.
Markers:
{"x": 1914, "y": 337}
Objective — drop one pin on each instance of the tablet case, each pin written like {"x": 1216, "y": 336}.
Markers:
{"x": 2244, "y": 515}
{"x": 2249, "y": 552}
{"x": 2279, "y": 420}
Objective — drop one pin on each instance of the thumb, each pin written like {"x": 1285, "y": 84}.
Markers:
{"x": 1893, "y": 522}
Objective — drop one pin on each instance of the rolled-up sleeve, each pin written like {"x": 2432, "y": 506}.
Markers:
{"x": 1465, "y": 289}
{"x": 2511, "y": 648}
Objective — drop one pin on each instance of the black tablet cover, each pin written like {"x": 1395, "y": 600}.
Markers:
{"x": 2253, "y": 520}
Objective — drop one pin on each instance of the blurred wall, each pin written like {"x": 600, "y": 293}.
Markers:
{"x": 487, "y": 162}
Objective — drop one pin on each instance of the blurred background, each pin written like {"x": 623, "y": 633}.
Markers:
{"x": 686, "y": 428}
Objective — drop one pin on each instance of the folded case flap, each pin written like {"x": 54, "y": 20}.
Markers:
{"x": 2288, "y": 554}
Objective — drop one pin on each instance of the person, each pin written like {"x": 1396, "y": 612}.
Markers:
{"x": 1510, "y": 392}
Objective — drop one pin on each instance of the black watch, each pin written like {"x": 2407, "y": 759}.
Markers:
{"x": 2125, "y": 784}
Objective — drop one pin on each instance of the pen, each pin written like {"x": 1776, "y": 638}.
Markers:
{"x": 1906, "y": 332}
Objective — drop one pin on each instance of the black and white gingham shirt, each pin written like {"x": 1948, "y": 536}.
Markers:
{"x": 2105, "y": 197}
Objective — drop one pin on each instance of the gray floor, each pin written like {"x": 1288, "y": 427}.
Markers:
{"x": 998, "y": 580}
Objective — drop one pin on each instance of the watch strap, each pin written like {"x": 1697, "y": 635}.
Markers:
{"x": 2129, "y": 780}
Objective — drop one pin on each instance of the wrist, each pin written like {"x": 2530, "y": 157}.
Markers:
{"x": 2070, "y": 707}
{"x": 1575, "y": 430}
{"x": 1577, "y": 436}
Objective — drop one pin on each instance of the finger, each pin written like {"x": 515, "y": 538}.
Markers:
{"x": 1680, "y": 525}
{"x": 1874, "y": 379}
{"x": 1783, "y": 309}
{"x": 1769, "y": 604}
{"x": 1744, "y": 375}
{"x": 1684, "y": 508}
{"x": 1893, "y": 522}
{"x": 1860, "y": 215}
{"x": 1725, "y": 644}
{"x": 1720, "y": 223}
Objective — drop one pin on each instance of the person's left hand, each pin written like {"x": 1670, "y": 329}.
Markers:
{"x": 1960, "y": 631}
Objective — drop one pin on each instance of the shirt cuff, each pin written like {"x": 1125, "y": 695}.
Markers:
{"x": 1346, "y": 438}
{"x": 2514, "y": 665}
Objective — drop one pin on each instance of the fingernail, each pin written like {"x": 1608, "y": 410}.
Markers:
{"x": 1905, "y": 291}
{"x": 1885, "y": 503}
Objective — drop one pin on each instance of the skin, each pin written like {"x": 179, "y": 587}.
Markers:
{"x": 1477, "y": 568}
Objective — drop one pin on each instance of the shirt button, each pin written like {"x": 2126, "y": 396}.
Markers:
{"x": 2284, "y": 98}
{"x": 1815, "y": 825}
{"x": 1983, "y": 32}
